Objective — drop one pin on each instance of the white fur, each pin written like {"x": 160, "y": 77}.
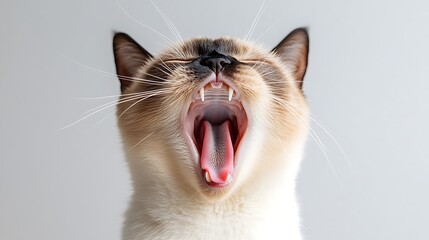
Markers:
{"x": 263, "y": 207}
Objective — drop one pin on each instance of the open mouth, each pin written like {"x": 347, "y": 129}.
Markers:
{"x": 215, "y": 124}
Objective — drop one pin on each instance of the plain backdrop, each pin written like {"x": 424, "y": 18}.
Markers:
{"x": 367, "y": 85}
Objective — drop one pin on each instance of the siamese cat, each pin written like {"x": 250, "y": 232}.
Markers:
{"x": 213, "y": 132}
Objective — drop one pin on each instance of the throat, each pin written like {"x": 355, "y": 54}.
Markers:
{"x": 224, "y": 218}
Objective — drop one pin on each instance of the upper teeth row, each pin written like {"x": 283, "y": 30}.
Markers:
{"x": 230, "y": 93}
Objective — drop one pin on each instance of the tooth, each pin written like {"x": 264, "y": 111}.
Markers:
{"x": 216, "y": 84}
{"x": 230, "y": 94}
{"x": 208, "y": 179}
{"x": 202, "y": 94}
{"x": 228, "y": 178}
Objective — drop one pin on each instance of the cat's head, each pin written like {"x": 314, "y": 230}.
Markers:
{"x": 210, "y": 117}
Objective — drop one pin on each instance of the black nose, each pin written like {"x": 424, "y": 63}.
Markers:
{"x": 215, "y": 61}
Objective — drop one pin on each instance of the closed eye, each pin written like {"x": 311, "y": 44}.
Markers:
{"x": 262, "y": 61}
{"x": 179, "y": 60}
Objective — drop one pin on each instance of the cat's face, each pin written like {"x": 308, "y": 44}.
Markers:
{"x": 208, "y": 117}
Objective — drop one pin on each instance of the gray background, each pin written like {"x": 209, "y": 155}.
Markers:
{"x": 367, "y": 84}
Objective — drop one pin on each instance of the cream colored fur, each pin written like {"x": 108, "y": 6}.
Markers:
{"x": 169, "y": 200}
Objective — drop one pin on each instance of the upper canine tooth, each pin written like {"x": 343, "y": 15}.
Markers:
{"x": 202, "y": 94}
{"x": 231, "y": 91}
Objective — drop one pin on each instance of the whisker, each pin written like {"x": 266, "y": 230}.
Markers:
{"x": 142, "y": 24}
{"x": 166, "y": 66}
{"x": 334, "y": 140}
{"x": 255, "y": 21}
{"x": 167, "y": 21}
{"x": 139, "y": 94}
{"x": 104, "y": 118}
{"x": 104, "y": 97}
{"x": 142, "y": 99}
{"x": 162, "y": 70}
{"x": 142, "y": 80}
{"x": 293, "y": 111}
{"x": 267, "y": 30}
{"x": 267, "y": 72}
{"x": 94, "y": 112}
{"x": 330, "y": 135}
{"x": 177, "y": 97}
{"x": 133, "y": 79}
{"x": 313, "y": 134}
{"x": 143, "y": 95}
{"x": 109, "y": 103}
{"x": 171, "y": 26}
{"x": 141, "y": 141}
{"x": 165, "y": 80}
{"x": 259, "y": 63}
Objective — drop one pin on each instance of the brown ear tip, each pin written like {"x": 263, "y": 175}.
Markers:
{"x": 120, "y": 36}
{"x": 302, "y": 31}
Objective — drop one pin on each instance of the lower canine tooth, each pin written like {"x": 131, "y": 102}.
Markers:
{"x": 207, "y": 175}
{"x": 230, "y": 93}
{"x": 228, "y": 178}
{"x": 202, "y": 94}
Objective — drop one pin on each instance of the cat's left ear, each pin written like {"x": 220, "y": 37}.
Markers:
{"x": 293, "y": 50}
{"x": 129, "y": 57}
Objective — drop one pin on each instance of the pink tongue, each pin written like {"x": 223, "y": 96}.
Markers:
{"x": 217, "y": 155}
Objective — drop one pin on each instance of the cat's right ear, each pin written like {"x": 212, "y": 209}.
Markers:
{"x": 129, "y": 57}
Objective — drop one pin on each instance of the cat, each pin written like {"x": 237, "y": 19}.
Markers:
{"x": 213, "y": 132}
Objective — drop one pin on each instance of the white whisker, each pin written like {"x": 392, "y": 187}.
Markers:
{"x": 259, "y": 63}
{"x": 104, "y": 118}
{"x": 334, "y": 140}
{"x": 170, "y": 25}
{"x": 141, "y": 96}
{"x": 94, "y": 112}
{"x": 141, "y": 141}
{"x": 162, "y": 70}
{"x": 166, "y": 66}
{"x": 165, "y": 80}
{"x": 266, "y": 30}
{"x": 133, "y": 79}
{"x": 142, "y": 24}
{"x": 266, "y": 73}
{"x": 105, "y": 97}
{"x": 142, "y": 99}
{"x": 255, "y": 21}
{"x": 313, "y": 134}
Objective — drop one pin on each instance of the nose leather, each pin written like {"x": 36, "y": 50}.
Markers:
{"x": 215, "y": 61}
